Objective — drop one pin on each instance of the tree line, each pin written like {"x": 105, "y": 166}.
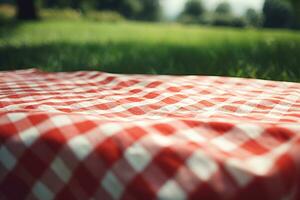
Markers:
{"x": 275, "y": 13}
{"x": 148, "y": 10}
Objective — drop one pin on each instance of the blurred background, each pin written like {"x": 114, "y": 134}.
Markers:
{"x": 241, "y": 38}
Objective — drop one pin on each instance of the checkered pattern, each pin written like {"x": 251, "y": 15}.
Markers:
{"x": 92, "y": 135}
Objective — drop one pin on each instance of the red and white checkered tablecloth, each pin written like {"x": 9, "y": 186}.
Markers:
{"x": 92, "y": 135}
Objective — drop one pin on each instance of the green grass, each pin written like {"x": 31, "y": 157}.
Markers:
{"x": 129, "y": 47}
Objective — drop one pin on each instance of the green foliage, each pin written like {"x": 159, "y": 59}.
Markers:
{"x": 194, "y": 13}
{"x": 296, "y": 13}
{"x": 75, "y": 4}
{"x": 253, "y": 18}
{"x": 3, "y": 19}
{"x": 131, "y": 8}
{"x": 277, "y": 14}
{"x": 228, "y": 20}
{"x": 214, "y": 19}
{"x": 104, "y": 16}
{"x": 151, "y": 48}
{"x": 60, "y": 14}
{"x": 188, "y": 19}
{"x": 238, "y": 22}
{"x": 224, "y": 8}
{"x": 151, "y": 10}
{"x": 71, "y": 14}
{"x": 296, "y": 7}
{"x": 193, "y": 8}
{"x": 148, "y": 10}
{"x": 108, "y": 4}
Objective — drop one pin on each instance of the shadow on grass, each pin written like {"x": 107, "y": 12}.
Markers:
{"x": 233, "y": 59}
{"x": 8, "y": 27}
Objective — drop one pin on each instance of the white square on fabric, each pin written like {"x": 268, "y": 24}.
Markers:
{"x": 110, "y": 129}
{"x": 112, "y": 185}
{"x": 224, "y": 144}
{"x": 61, "y": 120}
{"x": 14, "y": 117}
{"x": 240, "y": 175}
{"x": 80, "y": 146}
{"x": 42, "y": 192}
{"x": 171, "y": 191}
{"x": 260, "y": 165}
{"x": 203, "y": 166}
{"x": 7, "y": 159}
{"x": 29, "y": 136}
{"x": 137, "y": 156}
{"x": 194, "y": 135}
{"x": 61, "y": 169}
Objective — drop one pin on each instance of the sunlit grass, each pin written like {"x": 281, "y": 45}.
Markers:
{"x": 133, "y": 47}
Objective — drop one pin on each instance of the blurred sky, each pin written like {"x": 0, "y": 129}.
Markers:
{"x": 173, "y": 7}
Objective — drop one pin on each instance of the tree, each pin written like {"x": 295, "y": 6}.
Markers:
{"x": 223, "y": 16}
{"x": 253, "y": 18}
{"x": 296, "y": 12}
{"x": 26, "y": 10}
{"x": 277, "y": 14}
{"x": 108, "y": 4}
{"x": 193, "y": 8}
{"x": 131, "y": 8}
{"x": 224, "y": 8}
{"x": 150, "y": 10}
{"x": 75, "y": 4}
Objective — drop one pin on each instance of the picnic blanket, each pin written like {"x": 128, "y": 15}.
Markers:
{"x": 93, "y": 135}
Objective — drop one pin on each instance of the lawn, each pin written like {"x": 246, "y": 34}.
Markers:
{"x": 131, "y": 47}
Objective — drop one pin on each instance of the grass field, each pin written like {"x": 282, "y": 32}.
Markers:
{"x": 129, "y": 47}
